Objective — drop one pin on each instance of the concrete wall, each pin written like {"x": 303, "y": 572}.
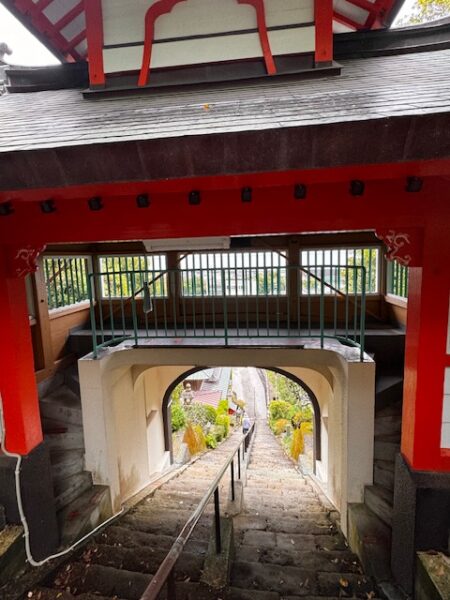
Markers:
{"x": 124, "y": 390}
{"x": 123, "y": 424}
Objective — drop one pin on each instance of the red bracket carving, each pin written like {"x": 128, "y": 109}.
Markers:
{"x": 23, "y": 260}
{"x": 403, "y": 247}
{"x": 165, "y": 6}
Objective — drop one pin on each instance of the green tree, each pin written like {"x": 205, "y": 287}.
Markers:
{"x": 427, "y": 10}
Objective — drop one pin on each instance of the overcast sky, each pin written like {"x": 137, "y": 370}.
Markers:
{"x": 28, "y": 51}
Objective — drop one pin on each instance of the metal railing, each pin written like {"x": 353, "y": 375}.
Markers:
{"x": 66, "y": 280}
{"x": 165, "y": 574}
{"x": 204, "y": 303}
{"x": 397, "y": 283}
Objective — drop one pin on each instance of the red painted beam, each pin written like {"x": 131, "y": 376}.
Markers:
{"x": 35, "y": 15}
{"x": 345, "y": 21}
{"x": 94, "y": 36}
{"x": 258, "y": 5}
{"x": 328, "y": 207}
{"x": 69, "y": 16}
{"x": 163, "y": 7}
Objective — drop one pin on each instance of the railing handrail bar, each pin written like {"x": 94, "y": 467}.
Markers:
{"x": 168, "y": 564}
{"x": 162, "y": 272}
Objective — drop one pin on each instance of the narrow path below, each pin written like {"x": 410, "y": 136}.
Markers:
{"x": 287, "y": 544}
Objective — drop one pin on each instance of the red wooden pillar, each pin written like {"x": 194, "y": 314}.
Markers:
{"x": 17, "y": 380}
{"x": 94, "y": 36}
{"x": 426, "y": 351}
{"x": 323, "y": 17}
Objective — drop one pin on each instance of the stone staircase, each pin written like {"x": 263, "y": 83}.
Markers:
{"x": 370, "y": 524}
{"x": 288, "y": 544}
{"x": 120, "y": 562}
{"x": 80, "y": 504}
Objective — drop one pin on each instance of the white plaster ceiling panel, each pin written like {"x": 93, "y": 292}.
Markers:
{"x": 58, "y": 9}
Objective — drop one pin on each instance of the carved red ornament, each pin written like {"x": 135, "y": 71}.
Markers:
{"x": 23, "y": 260}
{"x": 403, "y": 246}
{"x": 165, "y": 6}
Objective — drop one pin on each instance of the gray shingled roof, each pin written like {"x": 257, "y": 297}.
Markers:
{"x": 412, "y": 84}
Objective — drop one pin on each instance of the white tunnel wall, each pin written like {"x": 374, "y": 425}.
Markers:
{"x": 122, "y": 396}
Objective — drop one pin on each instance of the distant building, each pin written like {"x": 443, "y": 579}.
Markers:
{"x": 210, "y": 385}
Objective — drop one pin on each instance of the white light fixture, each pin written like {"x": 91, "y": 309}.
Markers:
{"x": 180, "y": 244}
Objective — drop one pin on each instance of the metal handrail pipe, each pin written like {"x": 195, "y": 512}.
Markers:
{"x": 168, "y": 564}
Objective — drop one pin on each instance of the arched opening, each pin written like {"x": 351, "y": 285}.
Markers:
{"x": 293, "y": 412}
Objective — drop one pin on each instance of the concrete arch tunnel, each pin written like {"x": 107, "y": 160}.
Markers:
{"x": 128, "y": 389}
{"x": 313, "y": 399}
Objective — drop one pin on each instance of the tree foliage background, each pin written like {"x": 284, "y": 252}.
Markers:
{"x": 427, "y": 10}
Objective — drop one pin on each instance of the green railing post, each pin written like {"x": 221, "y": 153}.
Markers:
{"x": 225, "y": 309}
{"x": 133, "y": 307}
{"x": 92, "y": 315}
{"x": 322, "y": 306}
{"x": 363, "y": 313}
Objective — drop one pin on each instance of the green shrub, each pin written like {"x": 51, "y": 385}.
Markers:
{"x": 200, "y": 414}
{"x": 178, "y": 417}
{"x": 218, "y": 431}
{"x": 279, "y": 427}
{"x": 211, "y": 441}
{"x": 210, "y": 413}
{"x": 224, "y": 420}
{"x": 222, "y": 409}
{"x": 280, "y": 410}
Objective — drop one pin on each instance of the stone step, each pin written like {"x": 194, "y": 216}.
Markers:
{"x": 41, "y": 593}
{"x": 51, "y": 426}
{"x": 64, "y": 441}
{"x": 372, "y": 539}
{"x": 72, "y": 379}
{"x": 118, "y": 535}
{"x": 120, "y": 584}
{"x": 383, "y": 474}
{"x": 84, "y": 513}
{"x": 266, "y": 510}
{"x": 293, "y": 541}
{"x": 101, "y": 580}
{"x": 347, "y": 585}
{"x": 296, "y": 582}
{"x": 266, "y": 577}
{"x": 147, "y": 560}
{"x": 380, "y": 501}
{"x": 66, "y": 463}
{"x": 254, "y": 492}
{"x": 62, "y": 405}
{"x": 386, "y": 448}
{"x": 308, "y": 523}
{"x": 388, "y": 425}
{"x": 169, "y": 522}
{"x": 297, "y": 484}
{"x": 333, "y": 561}
{"x": 70, "y": 488}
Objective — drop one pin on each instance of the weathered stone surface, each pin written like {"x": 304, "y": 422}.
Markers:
{"x": 218, "y": 565}
{"x": 432, "y": 576}
{"x": 287, "y": 542}
{"x": 288, "y": 538}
